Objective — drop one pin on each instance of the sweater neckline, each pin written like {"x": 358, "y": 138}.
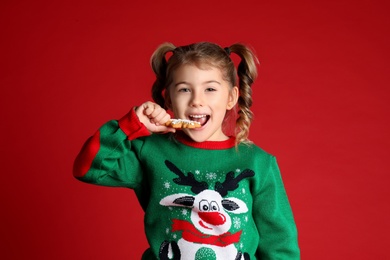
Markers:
{"x": 208, "y": 145}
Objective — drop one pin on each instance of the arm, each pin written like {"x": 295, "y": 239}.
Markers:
{"x": 274, "y": 219}
{"x": 109, "y": 157}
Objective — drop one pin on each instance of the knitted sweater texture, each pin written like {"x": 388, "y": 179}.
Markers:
{"x": 207, "y": 200}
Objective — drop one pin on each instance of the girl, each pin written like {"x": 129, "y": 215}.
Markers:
{"x": 206, "y": 193}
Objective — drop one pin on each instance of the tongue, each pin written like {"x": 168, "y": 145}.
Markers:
{"x": 201, "y": 120}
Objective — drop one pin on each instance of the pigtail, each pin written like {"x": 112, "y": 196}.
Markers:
{"x": 247, "y": 73}
{"x": 159, "y": 65}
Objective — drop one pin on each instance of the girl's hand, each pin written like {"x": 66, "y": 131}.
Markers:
{"x": 153, "y": 117}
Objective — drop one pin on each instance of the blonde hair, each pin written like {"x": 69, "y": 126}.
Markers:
{"x": 209, "y": 54}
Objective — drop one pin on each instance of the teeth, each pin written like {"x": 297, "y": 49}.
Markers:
{"x": 197, "y": 116}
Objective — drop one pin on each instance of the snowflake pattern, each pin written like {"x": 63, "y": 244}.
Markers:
{"x": 184, "y": 212}
{"x": 236, "y": 222}
{"x": 167, "y": 185}
{"x": 211, "y": 175}
{"x": 238, "y": 170}
{"x": 197, "y": 172}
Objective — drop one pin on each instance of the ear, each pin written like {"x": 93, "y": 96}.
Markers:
{"x": 233, "y": 97}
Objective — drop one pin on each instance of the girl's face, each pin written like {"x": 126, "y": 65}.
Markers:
{"x": 202, "y": 95}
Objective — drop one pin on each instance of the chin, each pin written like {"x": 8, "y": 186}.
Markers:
{"x": 201, "y": 136}
{"x": 196, "y": 137}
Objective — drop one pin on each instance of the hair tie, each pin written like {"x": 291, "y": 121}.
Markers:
{"x": 227, "y": 49}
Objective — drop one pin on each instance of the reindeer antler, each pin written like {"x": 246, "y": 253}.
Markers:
{"x": 231, "y": 183}
{"x": 189, "y": 180}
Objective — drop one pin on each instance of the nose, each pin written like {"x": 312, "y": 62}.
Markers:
{"x": 196, "y": 99}
{"x": 213, "y": 218}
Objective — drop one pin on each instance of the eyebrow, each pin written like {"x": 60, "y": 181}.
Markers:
{"x": 206, "y": 82}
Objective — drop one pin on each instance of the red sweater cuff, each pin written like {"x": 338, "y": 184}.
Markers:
{"x": 132, "y": 127}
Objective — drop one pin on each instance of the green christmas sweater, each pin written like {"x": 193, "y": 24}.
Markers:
{"x": 209, "y": 200}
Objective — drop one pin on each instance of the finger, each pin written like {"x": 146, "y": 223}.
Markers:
{"x": 161, "y": 118}
{"x": 164, "y": 129}
{"x": 149, "y": 109}
{"x": 161, "y": 128}
{"x": 155, "y": 113}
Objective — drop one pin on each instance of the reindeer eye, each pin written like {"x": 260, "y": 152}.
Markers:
{"x": 203, "y": 205}
{"x": 214, "y": 206}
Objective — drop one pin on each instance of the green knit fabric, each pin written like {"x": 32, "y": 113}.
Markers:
{"x": 145, "y": 164}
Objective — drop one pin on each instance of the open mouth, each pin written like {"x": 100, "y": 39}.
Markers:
{"x": 202, "y": 119}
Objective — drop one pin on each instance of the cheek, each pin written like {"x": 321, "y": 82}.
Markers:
{"x": 222, "y": 103}
{"x": 172, "y": 100}
{"x": 176, "y": 103}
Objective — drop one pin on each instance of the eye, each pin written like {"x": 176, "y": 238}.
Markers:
{"x": 203, "y": 205}
{"x": 183, "y": 90}
{"x": 211, "y": 89}
{"x": 214, "y": 206}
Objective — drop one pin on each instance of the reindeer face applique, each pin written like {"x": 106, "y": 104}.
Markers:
{"x": 210, "y": 219}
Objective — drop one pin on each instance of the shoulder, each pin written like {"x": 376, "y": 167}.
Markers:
{"x": 159, "y": 138}
{"x": 255, "y": 157}
{"x": 254, "y": 150}
{"x": 156, "y": 141}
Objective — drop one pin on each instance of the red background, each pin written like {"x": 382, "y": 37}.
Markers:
{"x": 321, "y": 106}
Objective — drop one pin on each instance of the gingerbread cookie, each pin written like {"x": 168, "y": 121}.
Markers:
{"x": 182, "y": 123}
